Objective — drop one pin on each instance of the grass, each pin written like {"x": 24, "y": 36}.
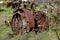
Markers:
{"x": 5, "y": 15}
{"x": 5, "y": 31}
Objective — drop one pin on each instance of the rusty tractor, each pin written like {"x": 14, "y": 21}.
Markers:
{"x": 26, "y": 20}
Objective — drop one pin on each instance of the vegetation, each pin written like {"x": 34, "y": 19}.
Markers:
{"x": 52, "y": 34}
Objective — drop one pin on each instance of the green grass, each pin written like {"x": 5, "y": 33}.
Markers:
{"x": 5, "y": 15}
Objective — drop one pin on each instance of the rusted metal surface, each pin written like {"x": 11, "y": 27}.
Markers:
{"x": 16, "y": 23}
{"x": 42, "y": 20}
{"x": 19, "y": 17}
{"x": 25, "y": 20}
{"x": 29, "y": 18}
